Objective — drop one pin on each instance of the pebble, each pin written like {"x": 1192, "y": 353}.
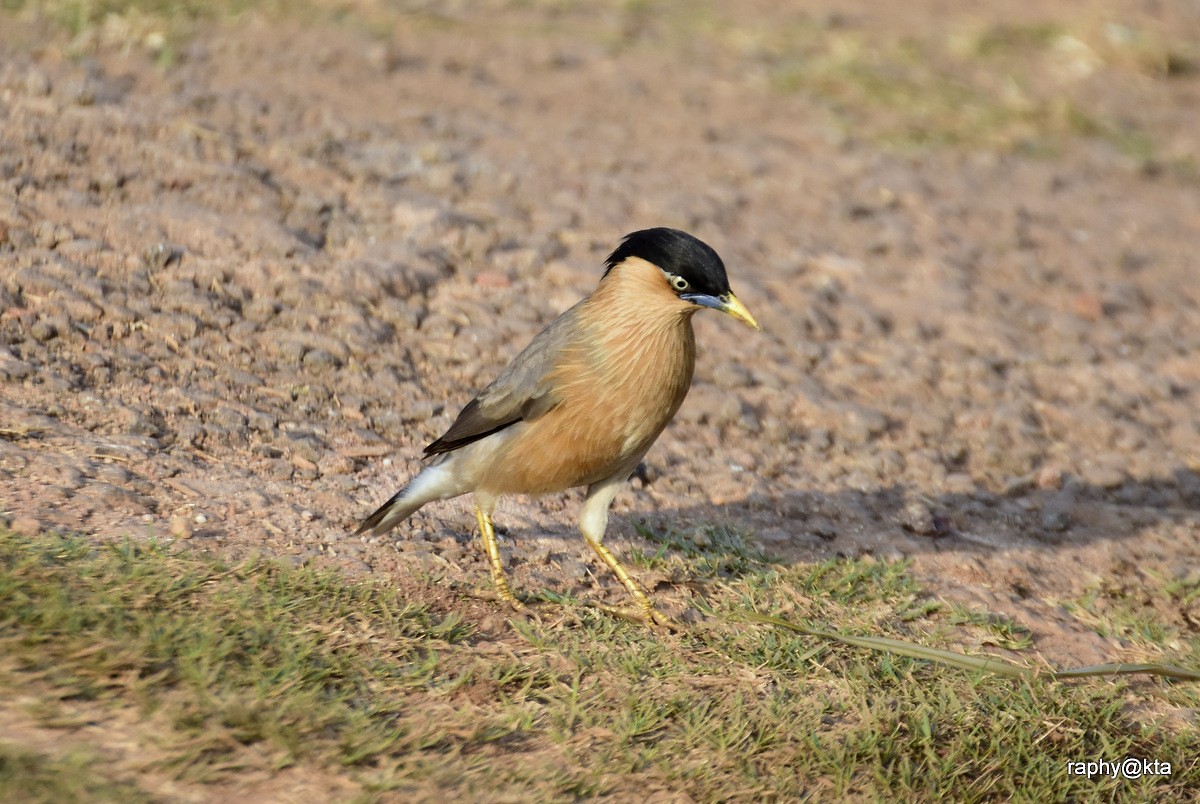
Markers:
{"x": 37, "y": 83}
{"x": 180, "y": 527}
{"x": 1103, "y": 476}
{"x": 43, "y": 330}
{"x": 110, "y": 495}
{"x": 1055, "y": 518}
{"x": 26, "y": 526}
{"x": 281, "y": 469}
{"x": 262, "y": 422}
{"x": 319, "y": 359}
{"x": 958, "y": 483}
{"x": 230, "y": 420}
{"x": 12, "y": 368}
{"x": 917, "y": 517}
{"x": 1049, "y": 477}
{"x": 862, "y": 425}
{"x": 113, "y": 473}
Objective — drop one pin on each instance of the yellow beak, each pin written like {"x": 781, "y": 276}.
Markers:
{"x": 732, "y": 305}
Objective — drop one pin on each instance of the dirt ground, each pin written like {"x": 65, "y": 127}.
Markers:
{"x": 244, "y": 282}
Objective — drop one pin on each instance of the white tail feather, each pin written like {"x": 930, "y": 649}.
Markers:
{"x": 435, "y": 482}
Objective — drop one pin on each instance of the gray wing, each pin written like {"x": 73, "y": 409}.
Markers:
{"x": 522, "y": 392}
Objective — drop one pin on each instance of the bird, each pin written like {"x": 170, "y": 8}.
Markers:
{"x": 582, "y": 403}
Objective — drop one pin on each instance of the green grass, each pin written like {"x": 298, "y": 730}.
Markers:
{"x": 80, "y": 16}
{"x": 1155, "y": 616}
{"x": 1000, "y": 631}
{"x": 34, "y": 778}
{"x": 254, "y": 666}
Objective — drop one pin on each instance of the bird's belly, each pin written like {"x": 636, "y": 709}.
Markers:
{"x": 566, "y": 448}
{"x": 614, "y": 401}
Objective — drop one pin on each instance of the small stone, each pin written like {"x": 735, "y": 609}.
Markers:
{"x": 109, "y": 494}
{"x": 539, "y": 556}
{"x": 1088, "y": 306}
{"x": 113, "y": 473}
{"x": 818, "y": 440}
{"x": 959, "y": 483}
{"x": 887, "y": 464}
{"x": 823, "y": 528}
{"x": 12, "y": 368}
{"x": 43, "y": 330}
{"x": 1055, "y": 518}
{"x": 281, "y": 470}
{"x": 491, "y": 624}
{"x": 37, "y": 83}
{"x": 162, "y": 255}
{"x": 49, "y": 234}
{"x": 1049, "y": 477}
{"x": 1104, "y": 476}
{"x": 262, "y": 422}
{"x": 79, "y": 246}
{"x": 319, "y": 358}
{"x": 646, "y": 474}
{"x": 181, "y": 527}
{"x": 918, "y": 518}
{"x": 267, "y": 450}
{"x": 229, "y": 419}
{"x": 492, "y": 280}
{"x": 71, "y": 477}
{"x": 773, "y": 536}
{"x": 863, "y": 425}
{"x": 577, "y": 570}
{"x": 304, "y": 467}
{"x": 345, "y": 484}
{"x": 26, "y": 526}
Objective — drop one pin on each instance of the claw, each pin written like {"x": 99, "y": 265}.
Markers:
{"x": 651, "y": 616}
{"x": 645, "y": 611}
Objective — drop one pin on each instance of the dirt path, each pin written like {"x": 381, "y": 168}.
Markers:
{"x": 238, "y": 294}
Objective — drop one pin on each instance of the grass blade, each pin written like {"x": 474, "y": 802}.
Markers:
{"x": 964, "y": 661}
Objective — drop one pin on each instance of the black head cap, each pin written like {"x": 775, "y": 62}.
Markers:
{"x": 677, "y": 253}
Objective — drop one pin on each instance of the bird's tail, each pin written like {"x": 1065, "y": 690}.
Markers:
{"x": 435, "y": 482}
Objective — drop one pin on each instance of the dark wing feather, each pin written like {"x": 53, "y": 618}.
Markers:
{"x": 522, "y": 392}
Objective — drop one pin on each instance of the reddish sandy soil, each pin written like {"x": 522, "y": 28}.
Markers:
{"x": 239, "y": 293}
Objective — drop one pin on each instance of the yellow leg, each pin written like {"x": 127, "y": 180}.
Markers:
{"x": 488, "y": 534}
{"x": 593, "y": 521}
{"x": 645, "y": 609}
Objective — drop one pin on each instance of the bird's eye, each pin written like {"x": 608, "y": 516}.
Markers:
{"x": 679, "y": 283}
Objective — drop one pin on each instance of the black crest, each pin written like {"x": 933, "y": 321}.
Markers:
{"x": 678, "y": 253}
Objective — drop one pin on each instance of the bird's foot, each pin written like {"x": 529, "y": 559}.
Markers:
{"x": 505, "y": 593}
{"x": 654, "y": 617}
{"x": 648, "y": 615}
{"x": 499, "y": 596}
